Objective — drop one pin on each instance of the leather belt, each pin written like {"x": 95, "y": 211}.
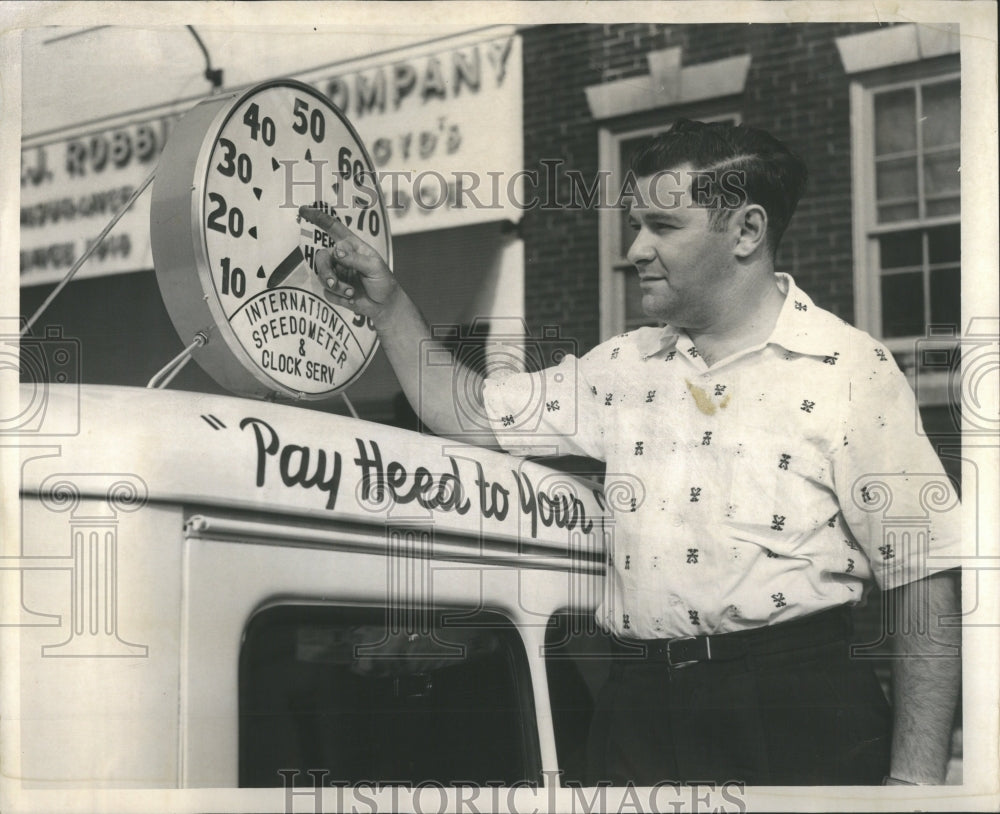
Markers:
{"x": 825, "y": 627}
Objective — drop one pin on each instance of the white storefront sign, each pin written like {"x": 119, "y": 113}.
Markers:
{"x": 442, "y": 122}
{"x": 443, "y": 126}
{"x": 71, "y": 186}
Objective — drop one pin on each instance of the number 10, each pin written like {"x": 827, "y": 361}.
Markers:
{"x": 237, "y": 280}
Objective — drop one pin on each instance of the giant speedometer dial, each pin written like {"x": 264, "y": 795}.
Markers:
{"x": 233, "y": 259}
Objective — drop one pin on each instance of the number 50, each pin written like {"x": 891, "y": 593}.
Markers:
{"x": 315, "y": 124}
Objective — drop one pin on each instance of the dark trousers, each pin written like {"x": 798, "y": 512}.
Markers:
{"x": 809, "y": 716}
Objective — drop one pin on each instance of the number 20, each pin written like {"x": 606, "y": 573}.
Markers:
{"x": 234, "y": 221}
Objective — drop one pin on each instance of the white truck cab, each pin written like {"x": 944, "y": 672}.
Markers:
{"x": 214, "y": 592}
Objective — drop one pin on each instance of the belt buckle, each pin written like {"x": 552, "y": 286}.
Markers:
{"x": 682, "y": 664}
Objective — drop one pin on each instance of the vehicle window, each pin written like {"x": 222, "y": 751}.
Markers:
{"x": 348, "y": 690}
{"x": 577, "y": 661}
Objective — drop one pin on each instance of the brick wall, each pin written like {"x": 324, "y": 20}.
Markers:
{"x": 796, "y": 88}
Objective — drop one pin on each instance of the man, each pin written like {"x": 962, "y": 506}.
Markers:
{"x": 760, "y": 427}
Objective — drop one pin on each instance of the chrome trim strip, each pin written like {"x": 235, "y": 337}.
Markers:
{"x": 225, "y": 529}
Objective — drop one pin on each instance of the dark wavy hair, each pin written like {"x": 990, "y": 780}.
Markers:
{"x": 731, "y": 165}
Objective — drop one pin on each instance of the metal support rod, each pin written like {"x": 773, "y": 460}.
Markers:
{"x": 350, "y": 407}
{"x": 173, "y": 373}
{"x": 173, "y": 367}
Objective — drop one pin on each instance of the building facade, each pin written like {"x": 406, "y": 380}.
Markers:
{"x": 873, "y": 110}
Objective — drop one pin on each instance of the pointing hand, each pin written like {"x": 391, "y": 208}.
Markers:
{"x": 352, "y": 272}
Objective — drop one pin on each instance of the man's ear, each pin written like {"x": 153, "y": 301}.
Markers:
{"x": 752, "y": 222}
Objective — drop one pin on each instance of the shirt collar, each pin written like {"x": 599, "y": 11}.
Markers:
{"x": 653, "y": 340}
{"x": 800, "y": 327}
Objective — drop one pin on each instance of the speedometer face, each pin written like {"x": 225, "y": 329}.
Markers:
{"x": 269, "y": 151}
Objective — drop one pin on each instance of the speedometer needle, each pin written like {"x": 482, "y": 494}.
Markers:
{"x": 285, "y": 267}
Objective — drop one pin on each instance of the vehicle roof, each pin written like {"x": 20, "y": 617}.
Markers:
{"x": 236, "y": 454}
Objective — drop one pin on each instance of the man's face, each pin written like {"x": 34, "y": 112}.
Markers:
{"x": 685, "y": 266}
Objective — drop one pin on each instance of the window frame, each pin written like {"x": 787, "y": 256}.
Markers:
{"x": 866, "y": 229}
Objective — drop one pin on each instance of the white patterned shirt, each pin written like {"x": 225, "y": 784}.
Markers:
{"x": 775, "y": 483}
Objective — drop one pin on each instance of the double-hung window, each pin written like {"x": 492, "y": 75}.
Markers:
{"x": 906, "y": 163}
{"x": 913, "y": 218}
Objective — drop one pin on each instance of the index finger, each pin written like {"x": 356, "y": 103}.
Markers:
{"x": 331, "y": 224}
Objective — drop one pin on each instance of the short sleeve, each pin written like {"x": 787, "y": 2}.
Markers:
{"x": 546, "y": 412}
{"x": 897, "y": 501}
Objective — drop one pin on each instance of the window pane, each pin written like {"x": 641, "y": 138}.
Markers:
{"x": 941, "y": 172}
{"x": 942, "y": 206}
{"x": 941, "y": 113}
{"x": 328, "y": 688}
{"x": 901, "y": 249}
{"x": 902, "y": 305}
{"x": 945, "y": 244}
{"x": 895, "y": 121}
{"x": 946, "y": 297}
{"x": 577, "y": 661}
{"x": 896, "y": 178}
{"x": 895, "y": 212}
